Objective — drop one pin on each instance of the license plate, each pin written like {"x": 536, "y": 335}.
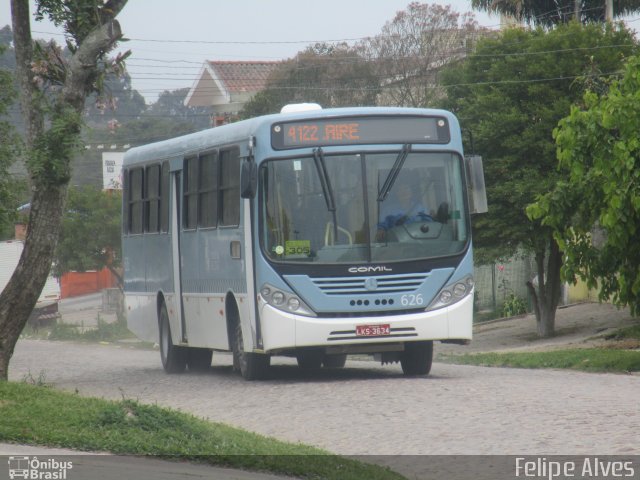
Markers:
{"x": 372, "y": 330}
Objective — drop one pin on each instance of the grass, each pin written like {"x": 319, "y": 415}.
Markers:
{"x": 584, "y": 359}
{"x": 40, "y": 415}
{"x": 628, "y": 333}
{"x": 104, "y": 332}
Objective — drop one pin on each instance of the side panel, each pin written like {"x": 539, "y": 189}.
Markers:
{"x": 142, "y": 315}
{"x": 141, "y": 320}
{"x": 149, "y": 257}
{"x": 211, "y": 255}
{"x": 148, "y": 271}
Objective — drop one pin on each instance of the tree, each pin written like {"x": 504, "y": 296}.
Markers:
{"x": 53, "y": 125}
{"x": 598, "y": 146}
{"x": 125, "y": 103}
{"x": 413, "y": 47}
{"x": 548, "y": 13}
{"x": 9, "y": 150}
{"x": 90, "y": 234}
{"x": 330, "y": 75}
{"x": 170, "y": 105}
{"x": 510, "y": 94}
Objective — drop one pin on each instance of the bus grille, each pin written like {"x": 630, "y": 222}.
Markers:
{"x": 361, "y": 285}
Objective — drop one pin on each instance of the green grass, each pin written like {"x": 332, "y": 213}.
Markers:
{"x": 104, "y": 332}
{"x": 627, "y": 333}
{"x": 36, "y": 414}
{"x": 585, "y": 359}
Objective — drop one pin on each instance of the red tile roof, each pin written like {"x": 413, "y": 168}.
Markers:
{"x": 241, "y": 76}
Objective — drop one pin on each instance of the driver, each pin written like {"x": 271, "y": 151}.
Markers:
{"x": 405, "y": 207}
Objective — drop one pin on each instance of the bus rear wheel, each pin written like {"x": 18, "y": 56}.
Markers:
{"x": 174, "y": 359}
{"x": 199, "y": 359}
{"x": 417, "y": 358}
{"x": 252, "y": 366}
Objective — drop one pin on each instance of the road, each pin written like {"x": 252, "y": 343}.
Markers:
{"x": 366, "y": 408}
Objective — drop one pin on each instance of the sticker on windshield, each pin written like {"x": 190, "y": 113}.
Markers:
{"x": 279, "y": 250}
{"x": 297, "y": 247}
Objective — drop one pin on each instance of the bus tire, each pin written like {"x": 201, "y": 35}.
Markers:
{"x": 199, "y": 359}
{"x": 252, "y": 366}
{"x": 174, "y": 359}
{"x": 417, "y": 358}
{"x": 334, "y": 361}
{"x": 310, "y": 359}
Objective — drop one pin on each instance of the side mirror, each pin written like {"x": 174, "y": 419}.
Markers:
{"x": 475, "y": 184}
{"x": 248, "y": 178}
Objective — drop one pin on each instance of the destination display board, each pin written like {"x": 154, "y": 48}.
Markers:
{"x": 359, "y": 131}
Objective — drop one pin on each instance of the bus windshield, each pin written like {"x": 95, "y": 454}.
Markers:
{"x": 373, "y": 207}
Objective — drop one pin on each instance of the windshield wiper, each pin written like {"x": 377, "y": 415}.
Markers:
{"x": 327, "y": 190}
{"x": 393, "y": 174}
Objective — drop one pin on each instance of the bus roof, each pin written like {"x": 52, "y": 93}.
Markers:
{"x": 232, "y": 133}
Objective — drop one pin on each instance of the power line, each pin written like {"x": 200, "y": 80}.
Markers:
{"x": 148, "y": 76}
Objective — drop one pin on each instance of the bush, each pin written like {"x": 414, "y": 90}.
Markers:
{"x": 513, "y": 305}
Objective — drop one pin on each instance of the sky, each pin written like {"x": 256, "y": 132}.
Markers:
{"x": 170, "y": 40}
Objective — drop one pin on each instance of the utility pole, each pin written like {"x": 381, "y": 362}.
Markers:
{"x": 608, "y": 13}
{"x": 577, "y": 4}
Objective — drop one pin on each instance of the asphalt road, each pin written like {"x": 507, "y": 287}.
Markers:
{"x": 366, "y": 408}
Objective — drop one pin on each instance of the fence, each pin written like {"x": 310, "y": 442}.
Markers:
{"x": 495, "y": 282}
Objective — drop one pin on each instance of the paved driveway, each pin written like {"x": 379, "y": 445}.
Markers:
{"x": 373, "y": 410}
{"x": 368, "y": 409}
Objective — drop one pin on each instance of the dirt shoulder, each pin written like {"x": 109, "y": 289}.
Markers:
{"x": 577, "y": 326}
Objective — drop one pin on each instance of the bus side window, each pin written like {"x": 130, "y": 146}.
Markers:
{"x": 190, "y": 192}
{"x": 136, "y": 201}
{"x": 230, "y": 187}
{"x": 125, "y": 202}
{"x": 152, "y": 199}
{"x": 164, "y": 198}
{"x": 208, "y": 190}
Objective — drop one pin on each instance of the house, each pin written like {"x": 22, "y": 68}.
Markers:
{"x": 227, "y": 86}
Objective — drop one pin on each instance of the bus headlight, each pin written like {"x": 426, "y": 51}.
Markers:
{"x": 277, "y": 298}
{"x": 453, "y": 293}
{"x": 285, "y": 301}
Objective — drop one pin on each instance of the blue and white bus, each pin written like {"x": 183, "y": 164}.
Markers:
{"x": 313, "y": 234}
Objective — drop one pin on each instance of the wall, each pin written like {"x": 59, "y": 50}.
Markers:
{"x": 73, "y": 284}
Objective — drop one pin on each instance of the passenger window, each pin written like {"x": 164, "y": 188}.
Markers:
{"x": 125, "y": 201}
{"x": 136, "y": 205}
{"x": 190, "y": 189}
{"x": 164, "y": 198}
{"x": 152, "y": 199}
{"x": 208, "y": 190}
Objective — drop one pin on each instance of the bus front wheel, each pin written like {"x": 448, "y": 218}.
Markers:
{"x": 417, "y": 358}
{"x": 252, "y": 366}
{"x": 174, "y": 359}
{"x": 310, "y": 359}
{"x": 334, "y": 361}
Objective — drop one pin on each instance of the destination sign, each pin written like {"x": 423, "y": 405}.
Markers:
{"x": 359, "y": 131}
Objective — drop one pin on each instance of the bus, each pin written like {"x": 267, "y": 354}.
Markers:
{"x": 292, "y": 234}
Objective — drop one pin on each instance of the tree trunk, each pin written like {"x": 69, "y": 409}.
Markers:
{"x": 49, "y": 157}
{"x": 577, "y": 10}
{"x": 546, "y": 295}
{"x": 21, "y": 293}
